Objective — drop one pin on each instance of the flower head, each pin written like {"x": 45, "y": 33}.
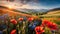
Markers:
{"x": 20, "y": 19}
{"x": 13, "y": 21}
{"x": 39, "y": 30}
{"x": 30, "y": 19}
{"x": 13, "y": 32}
{"x": 49, "y": 24}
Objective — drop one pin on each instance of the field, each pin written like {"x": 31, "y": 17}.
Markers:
{"x": 22, "y": 27}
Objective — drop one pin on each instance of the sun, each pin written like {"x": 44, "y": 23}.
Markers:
{"x": 10, "y": 7}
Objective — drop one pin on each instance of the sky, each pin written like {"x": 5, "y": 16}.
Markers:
{"x": 50, "y": 3}
{"x": 32, "y": 4}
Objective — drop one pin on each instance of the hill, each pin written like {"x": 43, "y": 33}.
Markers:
{"x": 53, "y": 12}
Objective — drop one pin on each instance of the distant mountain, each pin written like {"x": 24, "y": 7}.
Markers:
{"x": 29, "y": 10}
{"x": 55, "y": 9}
{"x": 41, "y": 10}
{"x": 33, "y": 10}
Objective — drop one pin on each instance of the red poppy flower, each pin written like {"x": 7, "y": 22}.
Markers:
{"x": 30, "y": 19}
{"x": 13, "y": 21}
{"x": 13, "y": 32}
{"x": 45, "y": 22}
{"x": 49, "y": 24}
{"x": 52, "y": 26}
{"x": 20, "y": 19}
{"x": 39, "y": 30}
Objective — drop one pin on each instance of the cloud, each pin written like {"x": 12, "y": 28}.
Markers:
{"x": 26, "y": 1}
{"x": 19, "y": 5}
{"x": 32, "y": 7}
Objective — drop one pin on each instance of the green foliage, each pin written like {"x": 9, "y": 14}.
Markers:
{"x": 57, "y": 22}
{"x": 47, "y": 30}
